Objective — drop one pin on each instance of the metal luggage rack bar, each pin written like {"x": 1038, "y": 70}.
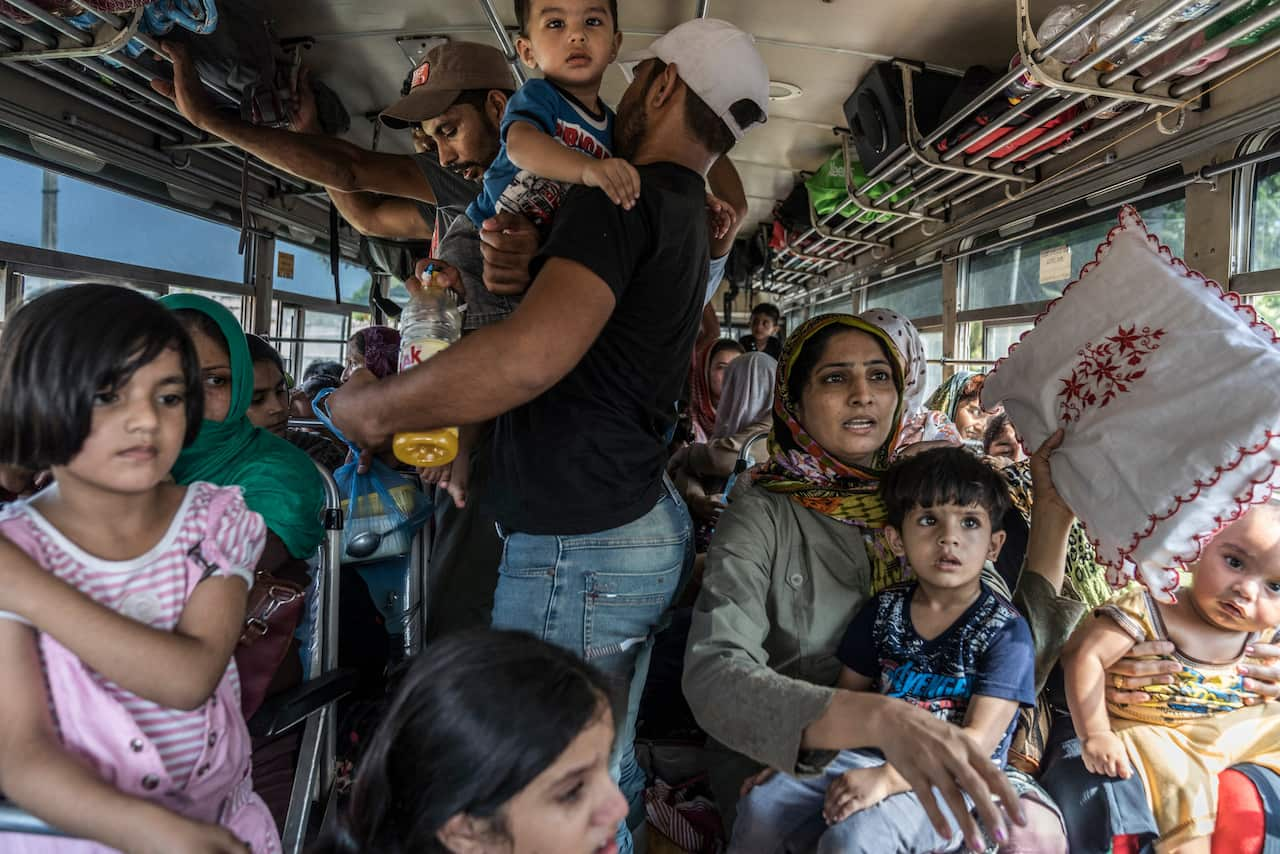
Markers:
{"x": 94, "y": 68}
{"x": 921, "y": 186}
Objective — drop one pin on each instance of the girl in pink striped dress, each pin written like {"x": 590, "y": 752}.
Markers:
{"x": 122, "y": 595}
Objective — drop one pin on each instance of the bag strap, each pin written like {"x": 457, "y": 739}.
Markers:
{"x": 321, "y": 408}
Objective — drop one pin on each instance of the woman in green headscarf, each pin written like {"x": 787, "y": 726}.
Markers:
{"x": 279, "y": 481}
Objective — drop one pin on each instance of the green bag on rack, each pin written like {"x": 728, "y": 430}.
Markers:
{"x": 828, "y": 190}
{"x": 1239, "y": 17}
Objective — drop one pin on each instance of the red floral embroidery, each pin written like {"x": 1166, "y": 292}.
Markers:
{"x": 1105, "y": 370}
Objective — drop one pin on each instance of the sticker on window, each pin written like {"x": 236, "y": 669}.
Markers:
{"x": 284, "y": 265}
{"x": 1055, "y": 265}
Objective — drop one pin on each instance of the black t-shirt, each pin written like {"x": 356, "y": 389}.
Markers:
{"x": 772, "y": 347}
{"x": 588, "y": 454}
{"x": 453, "y": 194}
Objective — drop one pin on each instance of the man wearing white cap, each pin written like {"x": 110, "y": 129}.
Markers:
{"x": 582, "y": 376}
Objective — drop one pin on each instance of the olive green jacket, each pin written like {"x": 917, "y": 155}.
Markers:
{"x": 781, "y": 585}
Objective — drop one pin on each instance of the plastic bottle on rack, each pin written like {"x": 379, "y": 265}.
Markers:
{"x": 1054, "y": 24}
{"x": 430, "y": 322}
{"x": 1119, "y": 21}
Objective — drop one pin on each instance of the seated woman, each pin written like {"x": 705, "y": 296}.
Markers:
{"x": 278, "y": 481}
{"x": 957, "y": 399}
{"x": 919, "y": 424}
{"x": 706, "y": 382}
{"x": 494, "y": 742}
{"x": 700, "y": 470}
{"x": 376, "y": 348}
{"x": 269, "y": 408}
{"x": 793, "y": 559}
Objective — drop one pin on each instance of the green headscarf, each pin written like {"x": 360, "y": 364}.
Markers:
{"x": 279, "y": 481}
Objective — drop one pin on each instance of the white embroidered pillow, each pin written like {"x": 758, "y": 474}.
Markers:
{"x": 1169, "y": 393}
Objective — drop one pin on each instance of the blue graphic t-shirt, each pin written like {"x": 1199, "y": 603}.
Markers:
{"x": 986, "y": 652}
{"x": 563, "y": 118}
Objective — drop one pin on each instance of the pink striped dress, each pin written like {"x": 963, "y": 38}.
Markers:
{"x": 196, "y": 762}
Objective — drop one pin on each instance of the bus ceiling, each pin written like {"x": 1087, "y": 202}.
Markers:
{"x": 924, "y": 121}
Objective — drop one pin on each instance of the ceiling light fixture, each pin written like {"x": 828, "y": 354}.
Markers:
{"x": 779, "y": 91}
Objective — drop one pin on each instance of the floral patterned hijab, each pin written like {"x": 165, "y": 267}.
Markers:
{"x": 802, "y": 469}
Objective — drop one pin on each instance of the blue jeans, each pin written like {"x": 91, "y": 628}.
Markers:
{"x": 784, "y": 816}
{"x": 602, "y": 596}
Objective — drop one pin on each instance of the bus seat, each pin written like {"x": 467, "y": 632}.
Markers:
{"x": 311, "y": 705}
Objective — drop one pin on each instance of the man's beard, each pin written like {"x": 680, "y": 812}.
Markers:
{"x": 460, "y": 169}
{"x": 630, "y": 129}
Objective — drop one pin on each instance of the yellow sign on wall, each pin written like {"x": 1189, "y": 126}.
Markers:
{"x": 284, "y": 265}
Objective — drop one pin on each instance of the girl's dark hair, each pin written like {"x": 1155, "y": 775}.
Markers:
{"x": 944, "y": 476}
{"x": 812, "y": 351}
{"x": 261, "y": 351}
{"x": 476, "y": 718}
{"x": 66, "y": 346}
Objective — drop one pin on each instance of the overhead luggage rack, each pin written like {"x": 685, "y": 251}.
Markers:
{"x": 1066, "y": 105}
{"x": 93, "y": 58}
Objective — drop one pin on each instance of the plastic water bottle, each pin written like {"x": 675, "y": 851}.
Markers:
{"x": 429, "y": 323}
{"x": 1054, "y": 24}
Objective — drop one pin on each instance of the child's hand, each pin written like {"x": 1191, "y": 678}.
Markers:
{"x": 854, "y": 791}
{"x": 1045, "y": 495}
{"x": 756, "y": 780}
{"x": 1104, "y": 754}
{"x": 183, "y": 836}
{"x": 721, "y": 217}
{"x": 618, "y": 178}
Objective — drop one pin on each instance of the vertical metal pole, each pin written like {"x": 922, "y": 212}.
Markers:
{"x": 950, "y": 305}
{"x": 264, "y": 262}
{"x": 49, "y": 212}
{"x": 702, "y": 8}
{"x": 504, "y": 41}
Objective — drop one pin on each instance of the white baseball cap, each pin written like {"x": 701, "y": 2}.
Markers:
{"x": 718, "y": 61}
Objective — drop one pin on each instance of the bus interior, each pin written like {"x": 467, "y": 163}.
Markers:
{"x": 957, "y": 161}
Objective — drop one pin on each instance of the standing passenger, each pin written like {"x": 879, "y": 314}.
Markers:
{"x": 595, "y": 536}
{"x": 765, "y": 320}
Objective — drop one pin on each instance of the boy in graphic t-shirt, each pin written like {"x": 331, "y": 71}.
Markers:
{"x": 945, "y": 642}
{"x": 557, "y": 130}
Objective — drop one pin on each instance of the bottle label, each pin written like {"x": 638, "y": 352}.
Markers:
{"x": 416, "y": 352}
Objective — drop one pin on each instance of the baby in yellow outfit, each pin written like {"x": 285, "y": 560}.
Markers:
{"x": 1206, "y": 721}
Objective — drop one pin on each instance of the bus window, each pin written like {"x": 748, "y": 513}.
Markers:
{"x": 1265, "y": 244}
{"x": 1021, "y": 273}
{"x": 324, "y": 336}
{"x": 915, "y": 296}
{"x": 932, "y": 340}
{"x": 233, "y": 303}
{"x": 90, "y": 220}
{"x": 303, "y": 270}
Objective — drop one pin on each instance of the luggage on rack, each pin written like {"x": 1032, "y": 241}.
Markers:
{"x": 1022, "y": 131}
{"x": 969, "y": 133}
{"x": 70, "y": 8}
{"x": 876, "y": 110}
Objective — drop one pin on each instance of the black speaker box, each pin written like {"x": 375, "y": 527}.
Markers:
{"x": 876, "y": 110}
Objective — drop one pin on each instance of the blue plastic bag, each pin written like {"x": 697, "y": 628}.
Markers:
{"x": 382, "y": 509}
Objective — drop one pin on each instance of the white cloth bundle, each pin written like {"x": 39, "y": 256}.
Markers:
{"x": 1169, "y": 393}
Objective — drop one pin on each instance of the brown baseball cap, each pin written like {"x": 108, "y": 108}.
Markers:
{"x": 446, "y": 73}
